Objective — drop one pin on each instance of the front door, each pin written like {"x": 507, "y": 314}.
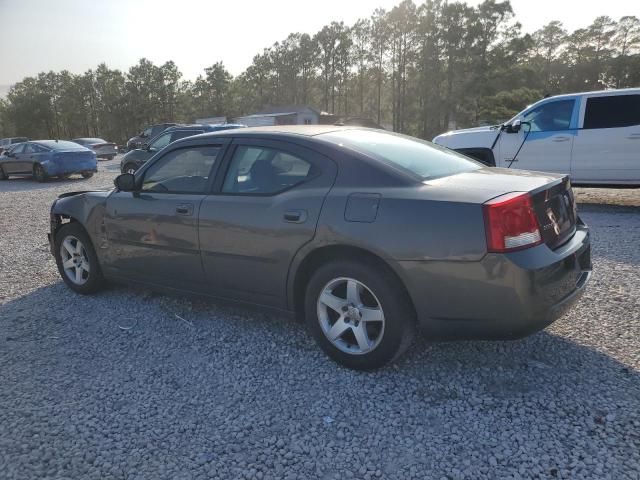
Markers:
{"x": 261, "y": 213}
{"x": 546, "y": 137}
{"x": 16, "y": 162}
{"x": 152, "y": 234}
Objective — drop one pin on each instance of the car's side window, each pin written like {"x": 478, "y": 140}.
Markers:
{"x": 551, "y": 116}
{"x": 261, "y": 170}
{"x": 29, "y": 148}
{"x": 614, "y": 111}
{"x": 178, "y": 134}
{"x": 185, "y": 170}
{"x": 147, "y": 132}
{"x": 161, "y": 142}
{"x": 18, "y": 148}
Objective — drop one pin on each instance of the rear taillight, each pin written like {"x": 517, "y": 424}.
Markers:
{"x": 510, "y": 223}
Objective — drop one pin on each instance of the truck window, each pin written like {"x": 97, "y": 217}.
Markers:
{"x": 550, "y": 116}
{"x": 612, "y": 111}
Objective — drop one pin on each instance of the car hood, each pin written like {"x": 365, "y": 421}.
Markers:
{"x": 478, "y": 137}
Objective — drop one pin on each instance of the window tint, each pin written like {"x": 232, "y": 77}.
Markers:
{"x": 550, "y": 116}
{"x": 19, "y": 148}
{"x": 30, "y": 148}
{"x": 185, "y": 170}
{"x": 61, "y": 145}
{"x": 257, "y": 170}
{"x": 612, "y": 111}
{"x": 416, "y": 156}
{"x": 178, "y": 134}
{"x": 160, "y": 142}
{"x": 147, "y": 132}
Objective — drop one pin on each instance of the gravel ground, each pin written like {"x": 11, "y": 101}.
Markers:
{"x": 129, "y": 384}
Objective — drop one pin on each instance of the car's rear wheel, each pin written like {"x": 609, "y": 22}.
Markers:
{"x": 76, "y": 259}
{"x": 129, "y": 168}
{"x": 87, "y": 174}
{"x": 358, "y": 314}
{"x": 3, "y": 176}
{"x": 39, "y": 174}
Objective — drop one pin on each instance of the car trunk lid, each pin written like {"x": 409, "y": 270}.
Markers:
{"x": 555, "y": 210}
{"x": 551, "y": 194}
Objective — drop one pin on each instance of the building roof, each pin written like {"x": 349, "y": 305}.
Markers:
{"x": 287, "y": 109}
{"x": 260, "y": 115}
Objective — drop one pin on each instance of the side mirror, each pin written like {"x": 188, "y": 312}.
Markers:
{"x": 515, "y": 126}
{"x": 125, "y": 182}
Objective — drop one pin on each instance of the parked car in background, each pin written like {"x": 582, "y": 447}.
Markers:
{"x": 48, "y": 158}
{"x": 147, "y": 135}
{"x": 134, "y": 159}
{"x": 364, "y": 233}
{"x": 7, "y": 142}
{"x": 103, "y": 149}
{"x": 594, "y": 137}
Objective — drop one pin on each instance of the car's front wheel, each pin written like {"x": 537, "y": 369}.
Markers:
{"x": 87, "y": 174}
{"x": 76, "y": 259}
{"x": 39, "y": 174}
{"x": 358, "y": 314}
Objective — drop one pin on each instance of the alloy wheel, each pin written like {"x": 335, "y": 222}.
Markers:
{"x": 350, "y": 316}
{"x": 75, "y": 260}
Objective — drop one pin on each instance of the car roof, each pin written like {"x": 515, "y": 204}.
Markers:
{"x": 282, "y": 130}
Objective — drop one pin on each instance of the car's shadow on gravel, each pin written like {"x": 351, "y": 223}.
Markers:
{"x": 541, "y": 366}
{"x": 144, "y": 368}
{"x": 25, "y": 184}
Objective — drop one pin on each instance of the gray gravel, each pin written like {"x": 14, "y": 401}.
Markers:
{"x": 132, "y": 385}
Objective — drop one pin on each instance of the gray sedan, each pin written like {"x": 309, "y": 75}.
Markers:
{"x": 364, "y": 234}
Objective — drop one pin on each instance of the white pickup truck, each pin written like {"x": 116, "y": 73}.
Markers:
{"x": 594, "y": 137}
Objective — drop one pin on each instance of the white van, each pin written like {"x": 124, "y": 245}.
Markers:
{"x": 593, "y": 136}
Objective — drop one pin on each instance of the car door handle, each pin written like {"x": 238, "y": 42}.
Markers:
{"x": 295, "y": 216}
{"x": 184, "y": 209}
{"x": 560, "y": 139}
{"x": 634, "y": 136}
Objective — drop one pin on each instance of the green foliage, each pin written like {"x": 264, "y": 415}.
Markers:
{"x": 420, "y": 68}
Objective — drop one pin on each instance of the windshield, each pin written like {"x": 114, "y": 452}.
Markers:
{"x": 417, "y": 157}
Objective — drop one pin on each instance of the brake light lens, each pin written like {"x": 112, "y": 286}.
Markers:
{"x": 510, "y": 223}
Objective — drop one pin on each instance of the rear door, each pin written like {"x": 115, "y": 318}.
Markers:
{"x": 153, "y": 233}
{"x": 264, "y": 209}
{"x": 607, "y": 147}
{"x": 547, "y": 146}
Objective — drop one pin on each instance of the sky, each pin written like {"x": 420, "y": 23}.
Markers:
{"x": 42, "y": 35}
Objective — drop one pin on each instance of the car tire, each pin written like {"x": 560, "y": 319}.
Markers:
{"x": 379, "y": 295}
{"x": 87, "y": 174}
{"x": 129, "y": 168}
{"x": 3, "y": 176}
{"x": 74, "y": 251}
{"x": 39, "y": 174}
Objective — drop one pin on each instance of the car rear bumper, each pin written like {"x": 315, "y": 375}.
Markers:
{"x": 502, "y": 296}
{"x": 59, "y": 168}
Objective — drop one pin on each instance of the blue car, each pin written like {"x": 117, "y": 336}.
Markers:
{"x": 48, "y": 158}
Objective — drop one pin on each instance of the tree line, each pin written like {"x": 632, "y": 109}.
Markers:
{"x": 420, "y": 68}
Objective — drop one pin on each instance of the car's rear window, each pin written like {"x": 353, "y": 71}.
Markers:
{"x": 61, "y": 145}
{"x": 417, "y": 157}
